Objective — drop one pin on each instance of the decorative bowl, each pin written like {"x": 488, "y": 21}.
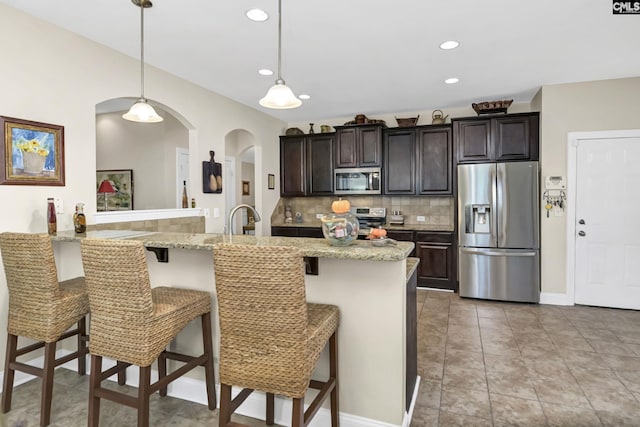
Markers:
{"x": 492, "y": 107}
{"x": 410, "y": 121}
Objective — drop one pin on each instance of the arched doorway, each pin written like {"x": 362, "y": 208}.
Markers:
{"x": 240, "y": 175}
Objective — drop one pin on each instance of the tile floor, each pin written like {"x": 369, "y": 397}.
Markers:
{"x": 488, "y": 363}
{"x": 482, "y": 364}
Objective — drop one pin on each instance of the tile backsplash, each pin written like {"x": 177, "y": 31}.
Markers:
{"x": 436, "y": 210}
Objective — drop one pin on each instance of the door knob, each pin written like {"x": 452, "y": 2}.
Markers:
{"x": 581, "y": 233}
{"x": 581, "y": 222}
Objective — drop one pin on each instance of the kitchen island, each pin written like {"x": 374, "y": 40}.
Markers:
{"x": 367, "y": 283}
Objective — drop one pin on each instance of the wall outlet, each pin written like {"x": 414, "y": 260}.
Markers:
{"x": 206, "y": 212}
{"x": 420, "y": 218}
{"x": 319, "y": 216}
{"x": 57, "y": 201}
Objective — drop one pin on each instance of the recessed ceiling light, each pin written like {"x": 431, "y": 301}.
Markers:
{"x": 452, "y": 80}
{"x": 257, "y": 15}
{"x": 265, "y": 72}
{"x": 451, "y": 44}
{"x": 304, "y": 96}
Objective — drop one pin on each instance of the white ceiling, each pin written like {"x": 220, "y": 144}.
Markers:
{"x": 366, "y": 56}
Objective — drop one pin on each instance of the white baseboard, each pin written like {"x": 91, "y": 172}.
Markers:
{"x": 195, "y": 391}
{"x": 406, "y": 422}
{"x": 554, "y": 298}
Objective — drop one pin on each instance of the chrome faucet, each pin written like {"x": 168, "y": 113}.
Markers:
{"x": 232, "y": 212}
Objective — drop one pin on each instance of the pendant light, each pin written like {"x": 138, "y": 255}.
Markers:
{"x": 141, "y": 111}
{"x": 280, "y": 96}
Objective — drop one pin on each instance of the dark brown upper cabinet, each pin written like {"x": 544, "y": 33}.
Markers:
{"x": 400, "y": 161}
{"x": 435, "y": 155}
{"x": 418, "y": 160}
{"x": 497, "y": 139}
{"x": 358, "y": 146}
{"x": 306, "y": 164}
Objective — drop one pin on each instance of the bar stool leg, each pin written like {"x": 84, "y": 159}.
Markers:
{"x": 270, "y": 410}
{"x": 297, "y": 418}
{"x": 47, "y": 382}
{"x": 224, "y": 415}
{"x": 82, "y": 346}
{"x": 333, "y": 373}
{"x": 7, "y": 387}
{"x": 209, "y": 373}
{"x": 94, "y": 383}
{"x": 143, "y": 396}
{"x": 162, "y": 372}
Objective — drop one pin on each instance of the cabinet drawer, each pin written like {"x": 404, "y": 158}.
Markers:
{"x": 437, "y": 237}
{"x": 284, "y": 231}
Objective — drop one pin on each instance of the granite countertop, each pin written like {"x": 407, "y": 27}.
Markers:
{"x": 412, "y": 265}
{"x": 312, "y": 247}
{"x": 407, "y": 227}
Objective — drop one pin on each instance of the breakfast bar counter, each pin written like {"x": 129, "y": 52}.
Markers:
{"x": 367, "y": 283}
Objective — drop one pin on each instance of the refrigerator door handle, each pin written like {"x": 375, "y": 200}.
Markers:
{"x": 496, "y": 253}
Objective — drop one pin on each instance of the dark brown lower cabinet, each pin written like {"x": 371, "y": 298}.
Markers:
{"x": 296, "y": 231}
{"x": 437, "y": 268}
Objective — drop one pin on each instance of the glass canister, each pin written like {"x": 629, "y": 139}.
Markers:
{"x": 340, "y": 229}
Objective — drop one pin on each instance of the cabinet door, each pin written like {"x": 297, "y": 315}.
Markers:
{"x": 369, "y": 146}
{"x": 402, "y": 236}
{"x": 437, "y": 262}
{"x": 320, "y": 164}
{"x": 434, "y": 161}
{"x": 473, "y": 140}
{"x": 399, "y": 162}
{"x": 346, "y": 148}
{"x": 293, "y": 166}
{"x": 515, "y": 138}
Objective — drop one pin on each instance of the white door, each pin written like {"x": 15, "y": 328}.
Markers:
{"x": 607, "y": 269}
{"x": 229, "y": 174}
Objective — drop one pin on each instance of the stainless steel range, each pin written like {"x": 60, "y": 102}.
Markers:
{"x": 369, "y": 217}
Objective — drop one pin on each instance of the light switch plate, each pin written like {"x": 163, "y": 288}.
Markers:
{"x": 420, "y": 218}
{"x": 216, "y": 212}
{"x": 206, "y": 212}
{"x": 57, "y": 201}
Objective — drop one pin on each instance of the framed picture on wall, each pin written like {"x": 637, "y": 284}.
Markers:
{"x": 31, "y": 153}
{"x": 114, "y": 190}
{"x": 245, "y": 188}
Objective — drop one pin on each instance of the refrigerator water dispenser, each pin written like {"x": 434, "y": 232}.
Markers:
{"x": 478, "y": 219}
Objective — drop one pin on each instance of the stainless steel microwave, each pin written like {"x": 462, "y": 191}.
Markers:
{"x": 358, "y": 181}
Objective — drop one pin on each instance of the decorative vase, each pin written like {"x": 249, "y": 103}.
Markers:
{"x": 340, "y": 229}
{"x": 33, "y": 163}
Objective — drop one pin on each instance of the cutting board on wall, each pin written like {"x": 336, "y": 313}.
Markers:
{"x": 211, "y": 175}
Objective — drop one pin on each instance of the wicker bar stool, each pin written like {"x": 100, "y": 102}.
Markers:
{"x": 41, "y": 309}
{"x": 270, "y": 337}
{"x": 133, "y": 324}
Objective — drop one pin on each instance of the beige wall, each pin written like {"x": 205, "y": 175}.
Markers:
{"x": 54, "y": 76}
{"x": 576, "y": 107}
{"x": 150, "y": 151}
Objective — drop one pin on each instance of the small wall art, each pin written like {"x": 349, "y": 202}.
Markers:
{"x": 271, "y": 181}
{"x": 116, "y": 194}
{"x": 245, "y": 188}
{"x": 211, "y": 175}
{"x": 31, "y": 153}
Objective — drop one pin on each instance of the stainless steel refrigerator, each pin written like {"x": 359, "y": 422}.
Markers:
{"x": 499, "y": 231}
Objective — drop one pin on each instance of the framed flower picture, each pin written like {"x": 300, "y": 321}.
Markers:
{"x": 31, "y": 153}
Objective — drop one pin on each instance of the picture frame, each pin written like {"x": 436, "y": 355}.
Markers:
{"x": 245, "y": 188}
{"x": 32, "y": 153}
{"x": 271, "y": 181}
{"x": 122, "y": 182}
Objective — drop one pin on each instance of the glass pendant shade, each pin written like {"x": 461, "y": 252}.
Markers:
{"x": 142, "y": 112}
{"x": 280, "y": 96}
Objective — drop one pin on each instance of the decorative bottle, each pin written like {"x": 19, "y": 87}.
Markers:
{"x": 52, "y": 222}
{"x": 185, "y": 198}
{"x": 79, "y": 220}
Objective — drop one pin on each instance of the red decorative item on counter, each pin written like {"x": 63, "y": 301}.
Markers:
{"x": 52, "y": 221}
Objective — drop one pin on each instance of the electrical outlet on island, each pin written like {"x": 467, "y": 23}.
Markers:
{"x": 319, "y": 216}
{"x": 420, "y": 218}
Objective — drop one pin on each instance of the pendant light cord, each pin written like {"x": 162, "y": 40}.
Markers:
{"x": 142, "y": 49}
{"x": 279, "y": 39}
